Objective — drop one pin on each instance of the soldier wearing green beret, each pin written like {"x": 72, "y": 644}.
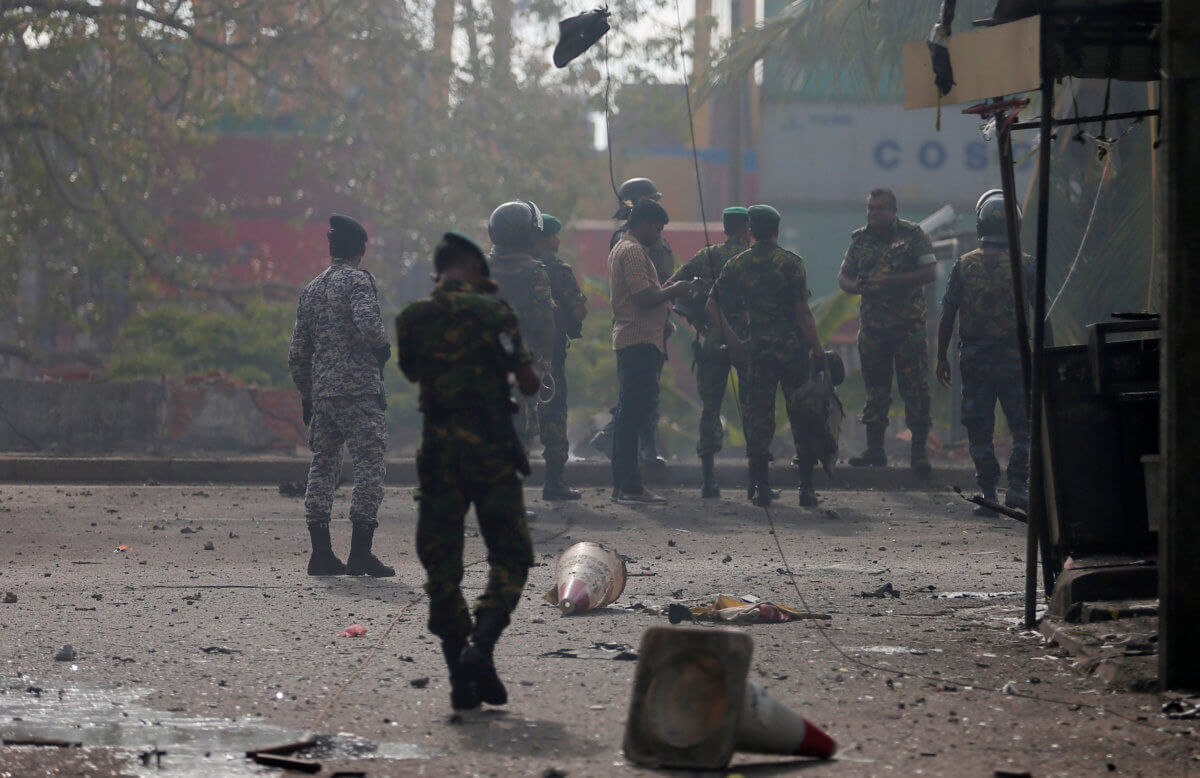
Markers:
{"x": 570, "y": 309}
{"x": 460, "y": 346}
{"x": 711, "y": 359}
{"x": 765, "y": 291}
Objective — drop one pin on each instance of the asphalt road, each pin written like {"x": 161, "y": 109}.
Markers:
{"x": 206, "y": 623}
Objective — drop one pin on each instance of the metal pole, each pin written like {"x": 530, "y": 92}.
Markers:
{"x": 1009, "y": 186}
{"x": 1038, "y": 529}
{"x": 1179, "y": 531}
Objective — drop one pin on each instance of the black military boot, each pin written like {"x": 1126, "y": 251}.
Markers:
{"x": 760, "y": 476}
{"x": 476, "y": 659}
{"x": 323, "y": 561}
{"x": 874, "y": 455}
{"x": 463, "y": 694}
{"x": 648, "y": 452}
{"x": 919, "y": 458}
{"x": 555, "y": 488}
{"x": 1017, "y": 496}
{"x": 989, "y": 493}
{"x": 361, "y": 560}
{"x": 709, "y": 488}
{"x": 808, "y": 495}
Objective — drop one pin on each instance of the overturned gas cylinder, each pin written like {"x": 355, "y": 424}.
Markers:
{"x": 587, "y": 575}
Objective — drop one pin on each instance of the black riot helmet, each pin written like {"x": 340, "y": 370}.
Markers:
{"x": 514, "y": 225}
{"x": 991, "y": 222}
{"x": 631, "y": 192}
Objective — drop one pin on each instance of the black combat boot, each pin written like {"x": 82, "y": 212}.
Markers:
{"x": 463, "y": 694}
{"x": 919, "y": 459}
{"x": 989, "y": 493}
{"x": 808, "y": 495}
{"x": 361, "y": 560}
{"x": 874, "y": 455}
{"x": 476, "y": 657}
{"x": 555, "y": 488}
{"x": 760, "y": 476}
{"x": 648, "y": 452}
{"x": 1017, "y": 496}
{"x": 709, "y": 488}
{"x": 323, "y": 561}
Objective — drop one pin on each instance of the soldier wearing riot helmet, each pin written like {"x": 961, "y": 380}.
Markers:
{"x": 570, "y": 309}
{"x": 711, "y": 359}
{"x": 461, "y": 346}
{"x": 338, "y": 349}
{"x": 979, "y": 295}
{"x": 513, "y": 228}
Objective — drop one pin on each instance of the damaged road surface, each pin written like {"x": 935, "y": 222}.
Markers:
{"x": 191, "y": 648}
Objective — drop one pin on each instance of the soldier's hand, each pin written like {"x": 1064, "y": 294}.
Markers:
{"x": 306, "y": 411}
{"x": 528, "y": 380}
{"x": 943, "y": 372}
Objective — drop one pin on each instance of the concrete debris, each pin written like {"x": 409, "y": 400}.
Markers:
{"x": 1181, "y": 709}
{"x": 10, "y": 597}
{"x": 882, "y": 592}
{"x": 65, "y": 654}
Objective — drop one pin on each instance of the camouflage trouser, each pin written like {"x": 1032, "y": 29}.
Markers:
{"x": 455, "y": 472}
{"x": 767, "y": 369}
{"x": 552, "y": 417}
{"x": 712, "y": 376}
{"x": 908, "y": 349}
{"x": 988, "y": 375}
{"x": 360, "y": 424}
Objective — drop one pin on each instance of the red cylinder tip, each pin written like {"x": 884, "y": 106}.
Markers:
{"x": 573, "y": 597}
{"x": 816, "y": 742}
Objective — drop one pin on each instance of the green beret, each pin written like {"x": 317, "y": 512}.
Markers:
{"x": 764, "y": 215}
{"x": 735, "y": 210}
{"x": 550, "y": 225}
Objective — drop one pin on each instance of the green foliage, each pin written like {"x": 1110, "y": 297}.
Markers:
{"x": 178, "y": 342}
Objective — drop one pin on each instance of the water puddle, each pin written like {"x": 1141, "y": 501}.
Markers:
{"x": 199, "y": 746}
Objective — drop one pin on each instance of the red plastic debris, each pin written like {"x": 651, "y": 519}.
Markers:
{"x": 353, "y": 631}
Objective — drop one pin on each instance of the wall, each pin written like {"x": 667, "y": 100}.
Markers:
{"x": 147, "y": 417}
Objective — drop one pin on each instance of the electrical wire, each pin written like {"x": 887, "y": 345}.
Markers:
{"x": 1082, "y": 241}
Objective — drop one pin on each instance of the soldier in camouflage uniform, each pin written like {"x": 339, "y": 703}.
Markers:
{"x": 336, "y": 359}
{"x": 460, "y": 346}
{"x": 570, "y": 309}
{"x": 513, "y": 227}
{"x": 712, "y": 361}
{"x": 662, "y": 257}
{"x": 767, "y": 288}
{"x": 980, "y": 295}
{"x": 888, "y": 262}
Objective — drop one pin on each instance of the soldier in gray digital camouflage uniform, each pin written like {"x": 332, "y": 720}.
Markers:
{"x": 339, "y": 347}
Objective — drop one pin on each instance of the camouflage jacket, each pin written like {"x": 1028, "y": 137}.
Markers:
{"x": 337, "y": 336}
{"x": 980, "y": 289}
{"x": 898, "y": 250}
{"x": 662, "y": 256}
{"x": 525, "y": 286}
{"x": 564, "y": 288}
{"x": 459, "y": 346}
{"x": 706, "y": 265}
{"x": 761, "y": 287}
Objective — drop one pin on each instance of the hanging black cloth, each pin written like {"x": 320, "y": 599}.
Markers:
{"x": 578, "y": 33}
{"x": 943, "y": 72}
